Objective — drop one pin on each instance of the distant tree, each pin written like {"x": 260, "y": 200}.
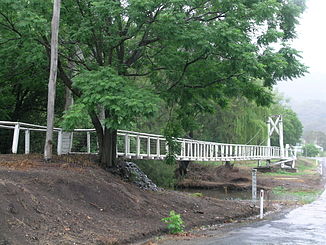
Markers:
{"x": 315, "y": 137}
{"x": 310, "y": 150}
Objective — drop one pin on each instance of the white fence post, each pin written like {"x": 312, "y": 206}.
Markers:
{"x": 138, "y": 146}
{"x": 15, "y": 139}
{"x": 261, "y": 204}
{"x": 126, "y": 145}
{"x": 158, "y": 147}
{"x": 27, "y": 141}
{"x": 148, "y": 147}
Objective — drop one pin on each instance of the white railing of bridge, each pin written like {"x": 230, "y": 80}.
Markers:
{"x": 149, "y": 146}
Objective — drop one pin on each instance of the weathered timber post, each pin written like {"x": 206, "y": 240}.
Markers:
{"x": 254, "y": 184}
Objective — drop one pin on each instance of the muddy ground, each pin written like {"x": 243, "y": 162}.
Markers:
{"x": 238, "y": 177}
{"x": 72, "y": 201}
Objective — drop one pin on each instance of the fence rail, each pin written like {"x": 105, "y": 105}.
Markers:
{"x": 148, "y": 146}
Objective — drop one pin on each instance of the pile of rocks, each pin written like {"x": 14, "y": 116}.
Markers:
{"x": 129, "y": 171}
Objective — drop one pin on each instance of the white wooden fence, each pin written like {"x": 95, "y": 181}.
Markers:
{"x": 149, "y": 146}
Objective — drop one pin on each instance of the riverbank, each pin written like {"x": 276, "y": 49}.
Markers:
{"x": 72, "y": 201}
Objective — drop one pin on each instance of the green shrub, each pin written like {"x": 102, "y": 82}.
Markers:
{"x": 159, "y": 172}
{"x": 174, "y": 222}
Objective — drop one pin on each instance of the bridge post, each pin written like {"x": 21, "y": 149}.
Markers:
{"x": 269, "y": 131}
{"x": 281, "y": 135}
{"x": 27, "y": 141}
{"x": 276, "y": 126}
{"x": 59, "y": 144}
{"x": 15, "y": 139}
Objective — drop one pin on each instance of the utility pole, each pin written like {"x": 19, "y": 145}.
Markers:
{"x": 52, "y": 80}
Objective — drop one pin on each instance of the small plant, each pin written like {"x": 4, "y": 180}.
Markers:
{"x": 174, "y": 222}
{"x": 197, "y": 194}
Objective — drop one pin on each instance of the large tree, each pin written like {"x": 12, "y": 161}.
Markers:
{"x": 191, "y": 54}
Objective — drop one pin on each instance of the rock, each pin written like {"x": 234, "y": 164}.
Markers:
{"x": 129, "y": 171}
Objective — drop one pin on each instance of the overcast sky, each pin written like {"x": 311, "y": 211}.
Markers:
{"x": 312, "y": 42}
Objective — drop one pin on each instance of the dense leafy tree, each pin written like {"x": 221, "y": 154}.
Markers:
{"x": 310, "y": 150}
{"x": 192, "y": 54}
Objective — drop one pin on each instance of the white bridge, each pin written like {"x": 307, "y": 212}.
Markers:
{"x": 151, "y": 146}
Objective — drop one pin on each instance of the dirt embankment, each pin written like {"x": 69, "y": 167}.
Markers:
{"x": 71, "y": 201}
{"x": 211, "y": 177}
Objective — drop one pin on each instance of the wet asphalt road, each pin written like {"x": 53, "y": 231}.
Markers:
{"x": 304, "y": 225}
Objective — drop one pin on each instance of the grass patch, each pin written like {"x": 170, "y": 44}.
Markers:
{"x": 306, "y": 197}
{"x": 159, "y": 172}
{"x": 303, "y": 197}
{"x": 304, "y": 166}
{"x": 196, "y": 194}
{"x": 209, "y": 163}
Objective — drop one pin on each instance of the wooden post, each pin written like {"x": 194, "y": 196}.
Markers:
{"x": 27, "y": 141}
{"x": 254, "y": 184}
{"x": 15, "y": 140}
{"x": 52, "y": 80}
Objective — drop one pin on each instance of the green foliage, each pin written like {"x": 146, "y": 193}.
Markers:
{"x": 160, "y": 173}
{"x": 122, "y": 100}
{"x": 310, "y": 150}
{"x": 304, "y": 197}
{"x": 171, "y": 132}
{"x": 304, "y": 166}
{"x": 174, "y": 223}
{"x": 242, "y": 121}
{"x": 124, "y": 55}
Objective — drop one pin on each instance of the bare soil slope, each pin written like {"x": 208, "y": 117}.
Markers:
{"x": 71, "y": 201}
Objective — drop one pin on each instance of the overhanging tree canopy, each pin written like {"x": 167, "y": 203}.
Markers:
{"x": 189, "y": 53}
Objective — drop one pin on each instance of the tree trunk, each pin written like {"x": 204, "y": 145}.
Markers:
{"x": 228, "y": 164}
{"x": 181, "y": 171}
{"x": 107, "y": 142}
{"x": 108, "y": 148}
{"x": 69, "y": 101}
{"x": 52, "y": 80}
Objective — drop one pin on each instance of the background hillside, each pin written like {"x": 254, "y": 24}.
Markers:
{"x": 312, "y": 114}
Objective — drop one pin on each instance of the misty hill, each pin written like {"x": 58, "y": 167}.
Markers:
{"x": 312, "y": 114}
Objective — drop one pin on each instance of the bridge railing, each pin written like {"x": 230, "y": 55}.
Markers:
{"x": 147, "y": 146}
